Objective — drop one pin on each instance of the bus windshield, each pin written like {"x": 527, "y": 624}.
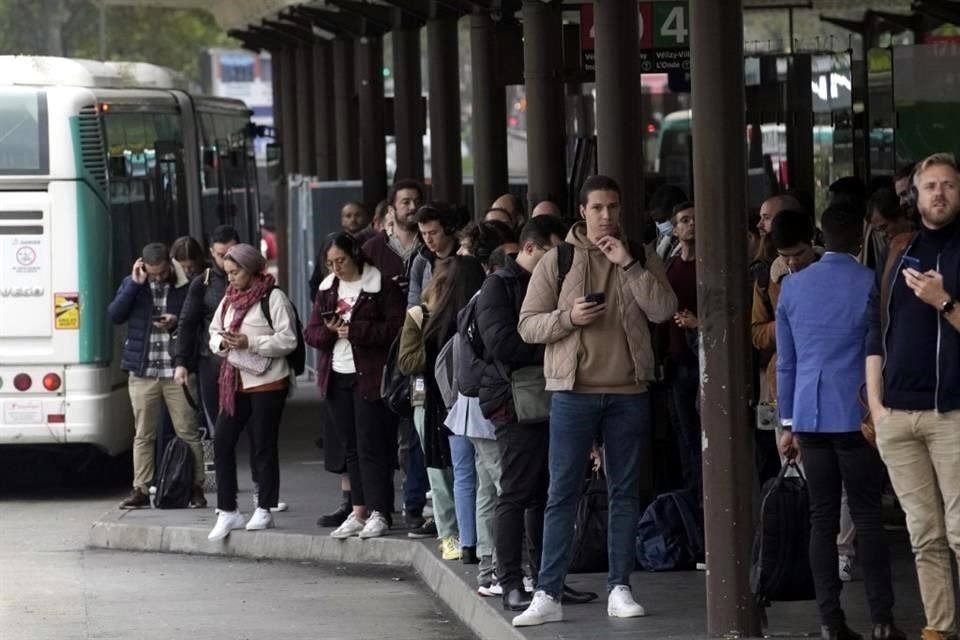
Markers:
{"x": 23, "y": 131}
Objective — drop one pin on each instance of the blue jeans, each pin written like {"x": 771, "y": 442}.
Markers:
{"x": 465, "y": 488}
{"x": 416, "y": 483}
{"x": 576, "y": 421}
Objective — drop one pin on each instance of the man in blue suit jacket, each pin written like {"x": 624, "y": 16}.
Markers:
{"x": 821, "y": 332}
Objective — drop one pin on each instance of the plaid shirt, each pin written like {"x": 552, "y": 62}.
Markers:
{"x": 159, "y": 362}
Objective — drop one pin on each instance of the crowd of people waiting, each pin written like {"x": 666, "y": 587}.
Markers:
{"x": 531, "y": 349}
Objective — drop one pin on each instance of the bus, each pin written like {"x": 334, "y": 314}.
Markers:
{"x": 94, "y": 164}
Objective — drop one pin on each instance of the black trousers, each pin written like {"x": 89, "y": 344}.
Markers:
{"x": 260, "y": 413}
{"x": 524, "y": 480}
{"x": 833, "y": 461}
{"x": 684, "y": 389}
{"x": 368, "y": 435}
{"x": 208, "y": 376}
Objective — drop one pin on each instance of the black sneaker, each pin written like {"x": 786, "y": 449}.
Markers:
{"x": 469, "y": 555}
{"x": 413, "y": 518}
{"x": 336, "y": 518}
{"x": 197, "y": 499}
{"x": 136, "y": 500}
{"x": 428, "y": 530}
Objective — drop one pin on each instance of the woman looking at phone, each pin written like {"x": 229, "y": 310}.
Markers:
{"x": 356, "y": 315}
{"x": 255, "y": 380}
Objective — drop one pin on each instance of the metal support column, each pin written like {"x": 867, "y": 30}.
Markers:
{"x": 408, "y": 116}
{"x": 288, "y": 111}
{"x": 373, "y": 155}
{"x": 619, "y": 141}
{"x": 719, "y": 168}
{"x": 800, "y": 123}
{"x": 490, "y": 176}
{"x": 344, "y": 90}
{"x": 443, "y": 79}
{"x": 324, "y": 124}
{"x": 303, "y": 68}
{"x": 546, "y": 124}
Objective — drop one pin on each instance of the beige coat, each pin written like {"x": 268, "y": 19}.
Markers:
{"x": 545, "y": 315}
{"x": 274, "y": 343}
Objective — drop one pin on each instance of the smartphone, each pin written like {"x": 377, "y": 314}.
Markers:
{"x": 157, "y": 318}
{"x": 911, "y": 263}
{"x": 598, "y": 298}
{"x": 328, "y": 315}
{"x": 224, "y": 333}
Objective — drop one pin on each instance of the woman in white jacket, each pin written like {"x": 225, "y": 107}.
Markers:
{"x": 255, "y": 380}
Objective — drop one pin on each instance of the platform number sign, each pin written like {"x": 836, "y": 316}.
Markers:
{"x": 664, "y": 25}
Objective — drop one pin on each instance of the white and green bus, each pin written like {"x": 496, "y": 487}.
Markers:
{"x": 97, "y": 160}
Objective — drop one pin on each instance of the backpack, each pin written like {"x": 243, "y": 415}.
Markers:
{"x": 780, "y": 568}
{"x": 565, "y": 252}
{"x": 394, "y": 385}
{"x": 296, "y": 359}
{"x": 176, "y": 476}
{"x": 460, "y": 363}
{"x": 670, "y": 533}
{"x": 589, "y": 552}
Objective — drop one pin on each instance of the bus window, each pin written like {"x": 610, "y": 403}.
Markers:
{"x": 23, "y": 131}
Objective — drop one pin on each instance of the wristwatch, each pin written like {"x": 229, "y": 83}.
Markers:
{"x": 947, "y": 307}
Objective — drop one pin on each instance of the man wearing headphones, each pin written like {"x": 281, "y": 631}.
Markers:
{"x": 438, "y": 229}
{"x": 913, "y": 383}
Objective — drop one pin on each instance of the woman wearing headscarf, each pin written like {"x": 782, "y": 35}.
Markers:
{"x": 255, "y": 380}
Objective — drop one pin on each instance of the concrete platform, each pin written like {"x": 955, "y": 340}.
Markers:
{"x": 675, "y": 602}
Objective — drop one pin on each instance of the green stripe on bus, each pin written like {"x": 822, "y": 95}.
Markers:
{"x": 93, "y": 263}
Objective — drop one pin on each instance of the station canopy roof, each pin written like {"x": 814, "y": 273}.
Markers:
{"x": 240, "y": 14}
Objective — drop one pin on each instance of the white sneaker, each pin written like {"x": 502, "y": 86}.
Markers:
{"x": 490, "y": 590}
{"x": 376, "y": 526}
{"x": 543, "y": 609}
{"x": 260, "y": 520}
{"x": 620, "y": 604}
{"x": 846, "y": 569}
{"x": 352, "y": 526}
{"x": 227, "y": 521}
{"x": 281, "y": 506}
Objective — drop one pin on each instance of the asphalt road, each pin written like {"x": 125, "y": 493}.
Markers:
{"x": 53, "y": 588}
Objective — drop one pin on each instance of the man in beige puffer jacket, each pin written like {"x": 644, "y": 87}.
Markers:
{"x": 598, "y": 362}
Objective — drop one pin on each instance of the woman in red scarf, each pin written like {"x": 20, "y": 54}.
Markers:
{"x": 255, "y": 380}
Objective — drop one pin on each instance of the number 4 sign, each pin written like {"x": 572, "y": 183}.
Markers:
{"x": 664, "y": 25}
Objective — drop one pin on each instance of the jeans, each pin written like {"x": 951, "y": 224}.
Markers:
{"x": 367, "y": 432}
{"x": 261, "y": 414}
{"x": 576, "y": 420}
{"x": 441, "y": 485}
{"x": 415, "y": 484}
{"x": 488, "y": 487}
{"x": 524, "y": 479}
{"x": 465, "y": 489}
{"x": 921, "y": 450}
{"x": 833, "y": 461}
{"x": 684, "y": 391}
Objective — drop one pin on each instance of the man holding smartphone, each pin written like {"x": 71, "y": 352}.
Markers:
{"x": 913, "y": 383}
{"x": 598, "y": 363}
{"x": 149, "y": 302}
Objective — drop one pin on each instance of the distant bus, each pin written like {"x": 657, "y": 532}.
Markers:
{"x": 92, "y": 168}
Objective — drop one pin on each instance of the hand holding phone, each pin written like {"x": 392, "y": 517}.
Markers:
{"x": 596, "y": 298}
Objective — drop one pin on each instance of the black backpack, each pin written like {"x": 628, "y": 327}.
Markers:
{"x": 780, "y": 570}
{"x": 296, "y": 359}
{"x": 175, "y": 483}
{"x": 590, "y": 529}
{"x": 670, "y": 533}
{"x": 395, "y": 386}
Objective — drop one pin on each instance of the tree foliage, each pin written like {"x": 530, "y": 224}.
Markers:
{"x": 169, "y": 37}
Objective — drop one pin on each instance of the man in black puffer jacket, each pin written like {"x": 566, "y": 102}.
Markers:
{"x": 149, "y": 302}
{"x": 192, "y": 350}
{"x": 523, "y": 447}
